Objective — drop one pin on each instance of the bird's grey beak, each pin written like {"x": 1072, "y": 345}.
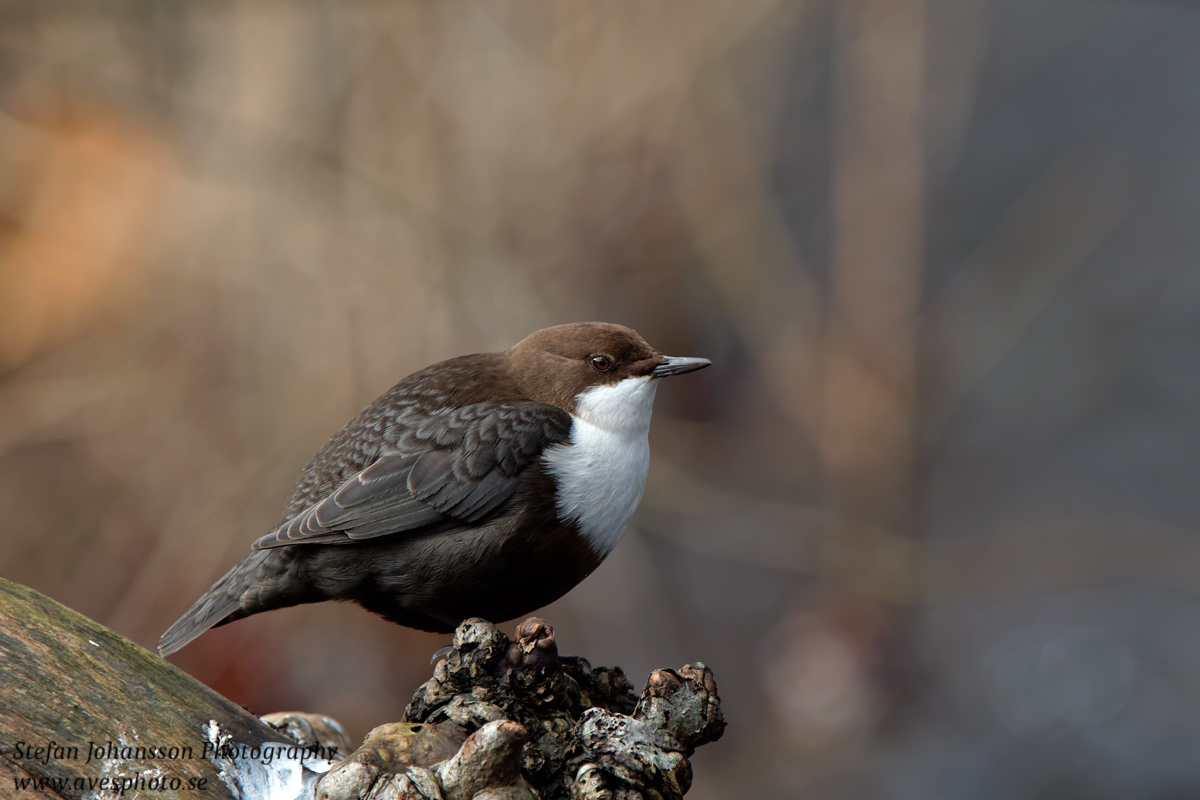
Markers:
{"x": 675, "y": 365}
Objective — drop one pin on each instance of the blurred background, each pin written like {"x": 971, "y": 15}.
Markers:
{"x": 932, "y": 515}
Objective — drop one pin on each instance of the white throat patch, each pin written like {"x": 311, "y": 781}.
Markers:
{"x": 601, "y": 474}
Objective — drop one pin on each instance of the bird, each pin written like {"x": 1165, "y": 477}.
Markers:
{"x": 487, "y": 485}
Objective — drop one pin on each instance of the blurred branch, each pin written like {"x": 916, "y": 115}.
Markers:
{"x": 870, "y": 360}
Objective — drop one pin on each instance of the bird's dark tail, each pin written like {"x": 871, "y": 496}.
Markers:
{"x": 220, "y": 604}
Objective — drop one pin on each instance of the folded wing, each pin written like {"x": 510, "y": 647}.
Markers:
{"x": 461, "y": 467}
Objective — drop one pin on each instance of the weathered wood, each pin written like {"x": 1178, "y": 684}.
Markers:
{"x": 77, "y": 702}
{"x": 85, "y": 713}
{"x": 533, "y": 720}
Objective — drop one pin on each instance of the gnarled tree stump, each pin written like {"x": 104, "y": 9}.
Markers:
{"x": 86, "y": 713}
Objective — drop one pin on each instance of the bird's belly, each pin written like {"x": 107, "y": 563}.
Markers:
{"x": 499, "y": 572}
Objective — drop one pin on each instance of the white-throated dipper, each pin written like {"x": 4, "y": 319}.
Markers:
{"x": 485, "y": 486}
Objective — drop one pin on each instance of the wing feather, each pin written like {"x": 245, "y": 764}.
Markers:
{"x": 473, "y": 461}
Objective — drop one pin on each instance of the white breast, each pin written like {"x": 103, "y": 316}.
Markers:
{"x": 601, "y": 474}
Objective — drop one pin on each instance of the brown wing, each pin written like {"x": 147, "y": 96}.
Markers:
{"x": 472, "y": 461}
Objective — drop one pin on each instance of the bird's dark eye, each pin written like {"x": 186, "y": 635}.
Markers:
{"x": 601, "y": 363}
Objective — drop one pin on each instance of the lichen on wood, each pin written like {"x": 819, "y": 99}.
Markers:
{"x": 84, "y": 711}
{"x": 528, "y": 718}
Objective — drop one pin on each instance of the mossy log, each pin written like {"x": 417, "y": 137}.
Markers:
{"x": 87, "y": 713}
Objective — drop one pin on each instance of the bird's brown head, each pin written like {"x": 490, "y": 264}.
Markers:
{"x": 555, "y": 365}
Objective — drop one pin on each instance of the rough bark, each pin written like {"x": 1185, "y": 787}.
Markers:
{"x": 96, "y": 715}
{"x": 534, "y": 719}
